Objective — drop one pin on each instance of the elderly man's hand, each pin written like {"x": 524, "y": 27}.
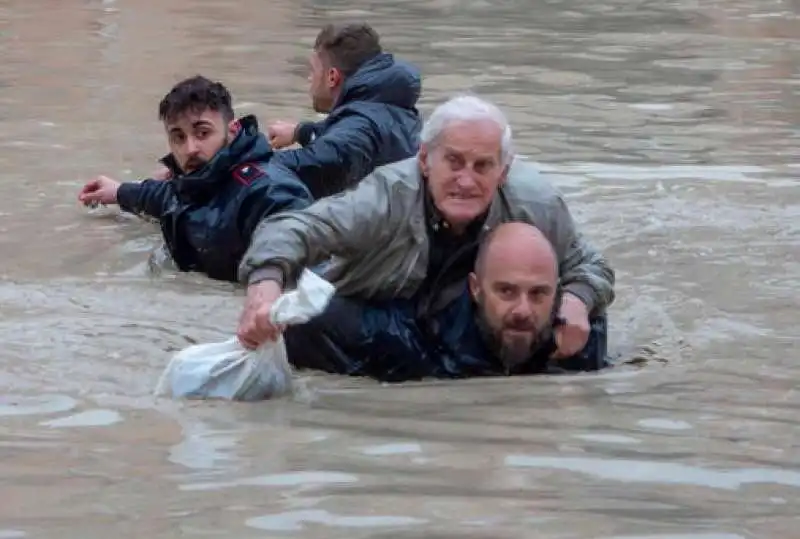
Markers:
{"x": 572, "y": 335}
{"x": 255, "y": 324}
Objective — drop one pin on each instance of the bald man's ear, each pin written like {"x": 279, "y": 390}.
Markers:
{"x": 474, "y": 286}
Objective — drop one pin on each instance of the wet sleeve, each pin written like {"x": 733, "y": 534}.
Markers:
{"x": 148, "y": 197}
{"x": 351, "y": 224}
{"x": 585, "y": 272}
{"x": 348, "y": 146}
{"x": 307, "y": 132}
{"x": 269, "y": 199}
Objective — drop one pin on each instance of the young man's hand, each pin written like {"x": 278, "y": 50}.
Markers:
{"x": 100, "y": 190}
{"x": 281, "y": 134}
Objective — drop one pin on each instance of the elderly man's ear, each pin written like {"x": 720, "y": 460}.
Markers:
{"x": 504, "y": 176}
{"x": 422, "y": 157}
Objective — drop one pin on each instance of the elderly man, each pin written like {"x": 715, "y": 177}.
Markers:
{"x": 411, "y": 229}
{"x": 502, "y": 323}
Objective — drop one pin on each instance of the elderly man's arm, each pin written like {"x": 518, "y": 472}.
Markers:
{"x": 585, "y": 272}
{"x": 349, "y": 224}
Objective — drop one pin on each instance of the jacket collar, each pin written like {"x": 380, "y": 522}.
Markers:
{"x": 249, "y": 144}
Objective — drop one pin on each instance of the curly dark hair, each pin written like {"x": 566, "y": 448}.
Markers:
{"x": 348, "y": 47}
{"x": 196, "y": 94}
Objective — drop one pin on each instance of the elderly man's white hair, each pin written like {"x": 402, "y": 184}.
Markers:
{"x": 468, "y": 108}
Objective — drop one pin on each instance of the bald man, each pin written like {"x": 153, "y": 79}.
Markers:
{"x": 501, "y": 323}
{"x": 516, "y": 293}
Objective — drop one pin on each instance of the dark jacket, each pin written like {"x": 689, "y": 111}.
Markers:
{"x": 374, "y": 122}
{"x": 208, "y": 217}
{"x": 393, "y": 341}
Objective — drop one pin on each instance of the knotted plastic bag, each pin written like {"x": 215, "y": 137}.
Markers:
{"x": 227, "y": 370}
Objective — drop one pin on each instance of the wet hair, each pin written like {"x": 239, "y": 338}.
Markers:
{"x": 349, "y": 46}
{"x": 196, "y": 94}
{"x": 468, "y": 108}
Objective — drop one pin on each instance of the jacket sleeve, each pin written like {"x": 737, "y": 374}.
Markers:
{"x": 307, "y": 132}
{"x": 585, "y": 272}
{"x": 270, "y": 198}
{"x": 349, "y": 224}
{"x": 149, "y": 197}
{"x": 349, "y": 144}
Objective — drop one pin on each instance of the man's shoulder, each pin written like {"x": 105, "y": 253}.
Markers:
{"x": 405, "y": 171}
{"x": 373, "y": 112}
{"x": 399, "y": 178}
{"x": 248, "y": 174}
{"x": 395, "y": 185}
{"x": 260, "y": 176}
{"x": 527, "y": 185}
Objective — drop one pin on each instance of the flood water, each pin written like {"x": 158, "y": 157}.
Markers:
{"x": 673, "y": 128}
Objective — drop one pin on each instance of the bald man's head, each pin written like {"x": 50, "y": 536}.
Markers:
{"x": 517, "y": 243}
{"x": 515, "y": 287}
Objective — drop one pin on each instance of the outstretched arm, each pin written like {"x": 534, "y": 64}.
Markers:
{"x": 149, "y": 197}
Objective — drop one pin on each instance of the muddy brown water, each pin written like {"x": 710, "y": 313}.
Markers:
{"x": 671, "y": 126}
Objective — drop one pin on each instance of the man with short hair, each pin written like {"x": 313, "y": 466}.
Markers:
{"x": 411, "y": 230}
{"x": 370, "y": 98}
{"x": 222, "y": 184}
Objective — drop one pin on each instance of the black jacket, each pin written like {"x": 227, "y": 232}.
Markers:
{"x": 208, "y": 217}
{"x": 373, "y": 123}
{"x": 393, "y": 341}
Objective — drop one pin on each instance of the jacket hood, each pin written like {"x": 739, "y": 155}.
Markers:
{"x": 249, "y": 145}
{"x": 383, "y": 80}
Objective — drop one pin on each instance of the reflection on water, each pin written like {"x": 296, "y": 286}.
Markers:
{"x": 294, "y": 521}
{"x": 658, "y": 472}
{"x": 41, "y": 404}
{"x": 89, "y": 418}
{"x": 287, "y": 479}
{"x": 671, "y": 126}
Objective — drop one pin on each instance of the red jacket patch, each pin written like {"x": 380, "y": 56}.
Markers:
{"x": 247, "y": 173}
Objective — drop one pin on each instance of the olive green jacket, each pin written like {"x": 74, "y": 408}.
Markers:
{"x": 376, "y": 236}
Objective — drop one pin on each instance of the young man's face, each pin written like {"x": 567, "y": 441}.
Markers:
{"x": 195, "y": 137}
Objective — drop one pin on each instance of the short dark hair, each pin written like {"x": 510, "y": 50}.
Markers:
{"x": 196, "y": 94}
{"x": 347, "y": 47}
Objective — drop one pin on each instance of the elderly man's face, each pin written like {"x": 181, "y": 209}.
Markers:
{"x": 464, "y": 170}
{"x": 516, "y": 308}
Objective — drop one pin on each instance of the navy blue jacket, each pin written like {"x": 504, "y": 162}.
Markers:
{"x": 393, "y": 341}
{"x": 374, "y": 122}
{"x": 208, "y": 217}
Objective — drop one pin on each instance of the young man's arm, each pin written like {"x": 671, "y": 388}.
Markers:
{"x": 149, "y": 197}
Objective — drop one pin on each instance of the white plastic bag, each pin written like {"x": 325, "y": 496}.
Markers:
{"x": 226, "y": 370}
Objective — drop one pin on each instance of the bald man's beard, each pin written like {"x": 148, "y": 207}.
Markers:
{"x": 515, "y": 349}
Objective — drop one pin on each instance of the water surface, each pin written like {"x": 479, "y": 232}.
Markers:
{"x": 672, "y": 127}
